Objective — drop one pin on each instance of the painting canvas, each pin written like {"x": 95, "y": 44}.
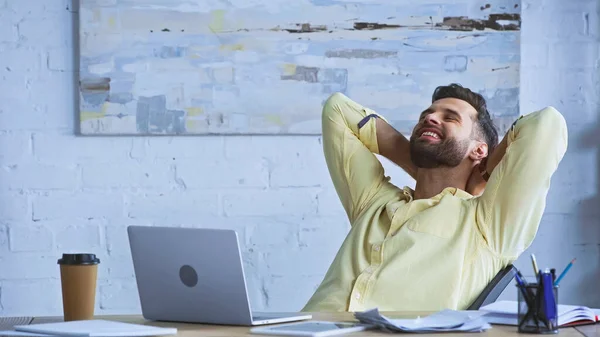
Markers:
{"x": 197, "y": 67}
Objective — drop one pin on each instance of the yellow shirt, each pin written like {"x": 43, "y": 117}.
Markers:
{"x": 429, "y": 254}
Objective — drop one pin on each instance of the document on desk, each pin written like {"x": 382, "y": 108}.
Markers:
{"x": 12, "y": 333}
{"x": 93, "y": 328}
{"x": 443, "y": 321}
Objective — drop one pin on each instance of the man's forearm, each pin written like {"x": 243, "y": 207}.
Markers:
{"x": 495, "y": 157}
{"x": 395, "y": 147}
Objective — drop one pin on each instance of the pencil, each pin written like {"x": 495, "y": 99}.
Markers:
{"x": 535, "y": 265}
{"x": 564, "y": 272}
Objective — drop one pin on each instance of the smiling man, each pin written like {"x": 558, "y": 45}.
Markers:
{"x": 475, "y": 208}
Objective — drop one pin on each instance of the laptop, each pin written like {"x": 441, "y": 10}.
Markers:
{"x": 194, "y": 275}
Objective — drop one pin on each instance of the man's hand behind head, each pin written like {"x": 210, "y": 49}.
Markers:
{"x": 476, "y": 183}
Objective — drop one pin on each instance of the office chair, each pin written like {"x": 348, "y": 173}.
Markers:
{"x": 493, "y": 290}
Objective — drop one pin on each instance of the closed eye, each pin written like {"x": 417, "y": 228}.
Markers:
{"x": 452, "y": 115}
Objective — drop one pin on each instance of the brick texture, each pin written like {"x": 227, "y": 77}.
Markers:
{"x": 566, "y": 78}
{"x": 62, "y": 193}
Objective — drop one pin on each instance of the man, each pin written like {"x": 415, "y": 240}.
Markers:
{"x": 439, "y": 245}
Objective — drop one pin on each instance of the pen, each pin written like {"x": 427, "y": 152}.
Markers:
{"x": 527, "y": 295}
{"x": 535, "y": 265}
{"x": 549, "y": 305}
{"x": 564, "y": 272}
{"x": 523, "y": 285}
{"x": 553, "y": 272}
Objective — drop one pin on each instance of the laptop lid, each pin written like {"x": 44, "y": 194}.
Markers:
{"x": 190, "y": 275}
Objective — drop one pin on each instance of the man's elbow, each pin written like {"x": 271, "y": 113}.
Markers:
{"x": 333, "y": 103}
{"x": 547, "y": 128}
{"x": 552, "y": 119}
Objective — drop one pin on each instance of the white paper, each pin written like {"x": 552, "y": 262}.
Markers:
{"x": 96, "y": 328}
{"x": 445, "y": 320}
{"x": 12, "y": 333}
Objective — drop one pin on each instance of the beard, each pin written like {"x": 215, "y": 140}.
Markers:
{"x": 448, "y": 153}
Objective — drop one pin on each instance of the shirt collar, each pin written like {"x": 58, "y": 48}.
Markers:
{"x": 409, "y": 193}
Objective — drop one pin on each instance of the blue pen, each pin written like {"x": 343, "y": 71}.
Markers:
{"x": 523, "y": 285}
{"x": 528, "y": 296}
{"x": 564, "y": 272}
{"x": 549, "y": 305}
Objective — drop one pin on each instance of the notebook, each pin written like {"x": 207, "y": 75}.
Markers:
{"x": 505, "y": 313}
{"x": 96, "y": 328}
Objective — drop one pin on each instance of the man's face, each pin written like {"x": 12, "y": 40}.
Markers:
{"x": 443, "y": 135}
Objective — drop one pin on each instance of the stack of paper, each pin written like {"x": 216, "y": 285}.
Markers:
{"x": 446, "y": 320}
{"x": 89, "y": 328}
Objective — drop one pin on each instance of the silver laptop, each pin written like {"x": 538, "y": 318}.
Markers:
{"x": 194, "y": 275}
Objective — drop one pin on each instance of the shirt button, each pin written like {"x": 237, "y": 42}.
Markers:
{"x": 369, "y": 270}
{"x": 377, "y": 247}
{"x": 357, "y": 296}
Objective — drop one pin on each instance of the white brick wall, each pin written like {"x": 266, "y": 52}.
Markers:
{"x": 564, "y": 37}
{"x": 63, "y": 193}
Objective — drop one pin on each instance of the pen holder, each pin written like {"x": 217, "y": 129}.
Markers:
{"x": 537, "y": 313}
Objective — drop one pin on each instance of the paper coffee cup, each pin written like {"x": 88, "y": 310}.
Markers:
{"x": 78, "y": 274}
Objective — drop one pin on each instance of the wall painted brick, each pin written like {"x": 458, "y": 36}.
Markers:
{"x": 79, "y": 150}
{"x": 120, "y": 296}
{"x": 286, "y": 202}
{"x": 14, "y": 206}
{"x": 19, "y": 113}
{"x": 324, "y": 233}
{"x": 79, "y": 238}
{"x": 116, "y": 240}
{"x": 8, "y": 29}
{"x": 116, "y": 267}
{"x": 31, "y": 238}
{"x": 27, "y": 60}
{"x": 39, "y": 177}
{"x": 176, "y": 148}
{"x": 278, "y": 295}
{"x": 203, "y": 174}
{"x": 129, "y": 175}
{"x": 302, "y": 171}
{"x": 3, "y": 240}
{"x": 568, "y": 81}
{"x": 57, "y": 106}
{"x": 275, "y": 234}
{"x": 14, "y": 147}
{"x": 174, "y": 206}
{"x": 30, "y": 9}
{"x": 77, "y": 206}
{"x": 62, "y": 193}
{"x": 19, "y": 295}
{"x": 53, "y": 32}
{"x": 329, "y": 203}
{"x": 29, "y": 266}
{"x": 61, "y": 59}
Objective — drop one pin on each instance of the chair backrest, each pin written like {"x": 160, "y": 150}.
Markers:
{"x": 493, "y": 290}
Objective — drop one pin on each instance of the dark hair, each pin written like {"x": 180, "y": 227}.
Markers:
{"x": 484, "y": 120}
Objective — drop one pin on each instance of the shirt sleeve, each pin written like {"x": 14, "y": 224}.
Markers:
{"x": 349, "y": 144}
{"x": 511, "y": 207}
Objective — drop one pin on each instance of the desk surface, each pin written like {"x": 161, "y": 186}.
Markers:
{"x": 206, "y": 330}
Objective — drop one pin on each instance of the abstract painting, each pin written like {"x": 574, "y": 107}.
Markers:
{"x": 198, "y": 67}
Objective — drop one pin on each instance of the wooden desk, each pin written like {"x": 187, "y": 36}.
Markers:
{"x": 206, "y": 330}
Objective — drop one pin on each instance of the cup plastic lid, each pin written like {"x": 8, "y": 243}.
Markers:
{"x": 78, "y": 259}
